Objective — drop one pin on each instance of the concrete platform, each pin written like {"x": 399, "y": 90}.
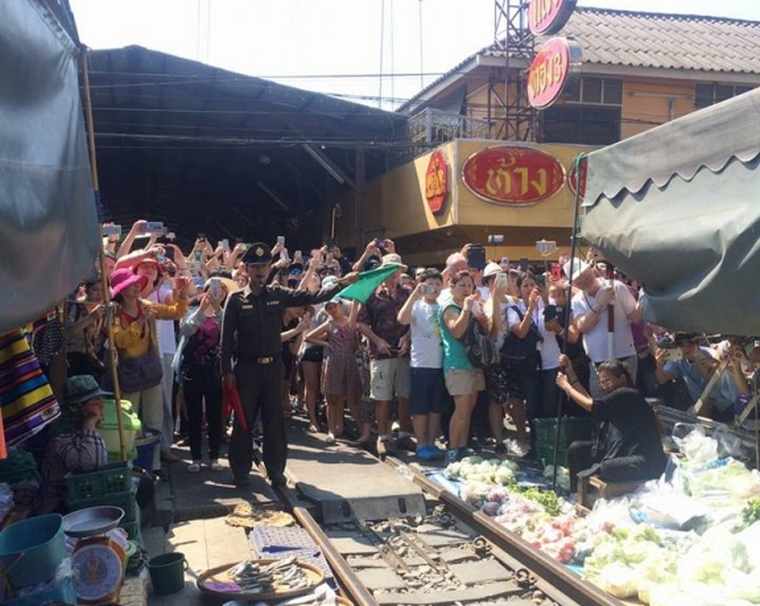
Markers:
{"x": 347, "y": 483}
{"x": 210, "y": 494}
{"x": 205, "y": 544}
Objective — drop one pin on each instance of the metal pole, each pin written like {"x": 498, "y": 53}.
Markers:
{"x": 103, "y": 278}
{"x": 566, "y": 319}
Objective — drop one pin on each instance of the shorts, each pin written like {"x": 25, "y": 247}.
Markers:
{"x": 313, "y": 354}
{"x": 389, "y": 379}
{"x": 461, "y": 382}
{"x": 341, "y": 376}
{"x": 427, "y": 393}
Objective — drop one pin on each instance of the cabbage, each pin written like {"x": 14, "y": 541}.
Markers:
{"x": 619, "y": 580}
{"x": 504, "y": 476}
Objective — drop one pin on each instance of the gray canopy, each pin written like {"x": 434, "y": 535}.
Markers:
{"x": 678, "y": 208}
{"x": 48, "y": 224}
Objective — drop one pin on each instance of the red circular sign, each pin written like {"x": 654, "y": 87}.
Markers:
{"x": 437, "y": 182}
{"x": 513, "y": 176}
{"x": 549, "y": 72}
{"x": 572, "y": 177}
{"x": 549, "y": 16}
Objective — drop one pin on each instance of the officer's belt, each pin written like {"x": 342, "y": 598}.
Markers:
{"x": 261, "y": 360}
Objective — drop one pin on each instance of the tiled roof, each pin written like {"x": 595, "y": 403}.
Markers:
{"x": 715, "y": 44}
{"x": 654, "y": 40}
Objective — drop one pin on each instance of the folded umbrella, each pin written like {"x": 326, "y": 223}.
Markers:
{"x": 232, "y": 403}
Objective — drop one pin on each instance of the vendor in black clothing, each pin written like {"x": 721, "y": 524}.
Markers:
{"x": 628, "y": 446}
{"x": 251, "y": 339}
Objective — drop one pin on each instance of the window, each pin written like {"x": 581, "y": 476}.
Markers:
{"x": 581, "y": 124}
{"x": 601, "y": 91}
{"x": 706, "y": 95}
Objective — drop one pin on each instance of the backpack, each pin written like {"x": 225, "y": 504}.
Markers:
{"x": 518, "y": 353}
{"x": 480, "y": 350}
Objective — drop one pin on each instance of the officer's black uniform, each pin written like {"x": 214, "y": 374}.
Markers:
{"x": 251, "y": 335}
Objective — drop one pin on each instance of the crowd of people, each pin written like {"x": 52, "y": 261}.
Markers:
{"x": 433, "y": 360}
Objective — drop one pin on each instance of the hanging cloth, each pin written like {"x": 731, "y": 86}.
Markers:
{"x": 26, "y": 399}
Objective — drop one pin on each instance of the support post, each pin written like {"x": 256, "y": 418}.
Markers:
{"x": 566, "y": 318}
{"x": 103, "y": 278}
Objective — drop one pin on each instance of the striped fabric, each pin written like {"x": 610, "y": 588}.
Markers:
{"x": 26, "y": 399}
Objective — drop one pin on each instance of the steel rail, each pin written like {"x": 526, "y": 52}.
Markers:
{"x": 357, "y": 591}
{"x": 553, "y": 573}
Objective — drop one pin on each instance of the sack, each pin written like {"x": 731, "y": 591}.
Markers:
{"x": 138, "y": 374}
{"x": 479, "y": 347}
{"x": 519, "y": 353}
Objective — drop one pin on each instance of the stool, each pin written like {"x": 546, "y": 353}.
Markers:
{"x": 593, "y": 488}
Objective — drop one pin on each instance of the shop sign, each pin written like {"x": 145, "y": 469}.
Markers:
{"x": 572, "y": 177}
{"x": 437, "y": 182}
{"x": 555, "y": 62}
{"x": 546, "y": 17}
{"x": 513, "y": 175}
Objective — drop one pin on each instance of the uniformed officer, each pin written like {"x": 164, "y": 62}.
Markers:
{"x": 251, "y": 336}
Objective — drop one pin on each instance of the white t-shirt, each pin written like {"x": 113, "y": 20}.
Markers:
{"x": 549, "y": 347}
{"x": 426, "y": 350}
{"x": 595, "y": 341}
{"x": 502, "y": 311}
{"x": 167, "y": 340}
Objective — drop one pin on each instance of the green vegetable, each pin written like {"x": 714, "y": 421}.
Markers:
{"x": 547, "y": 498}
{"x": 751, "y": 512}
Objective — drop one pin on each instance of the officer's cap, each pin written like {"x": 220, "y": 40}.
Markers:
{"x": 258, "y": 254}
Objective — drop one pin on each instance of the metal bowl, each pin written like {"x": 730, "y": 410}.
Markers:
{"x": 92, "y": 521}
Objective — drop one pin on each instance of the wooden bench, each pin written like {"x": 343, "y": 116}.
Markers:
{"x": 593, "y": 488}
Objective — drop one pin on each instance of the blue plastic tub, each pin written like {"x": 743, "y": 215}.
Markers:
{"x": 146, "y": 446}
{"x": 32, "y": 549}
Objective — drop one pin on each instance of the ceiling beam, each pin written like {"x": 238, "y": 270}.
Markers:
{"x": 331, "y": 167}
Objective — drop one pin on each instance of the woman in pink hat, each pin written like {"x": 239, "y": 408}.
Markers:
{"x": 135, "y": 337}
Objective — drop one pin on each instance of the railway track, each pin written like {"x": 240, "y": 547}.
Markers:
{"x": 451, "y": 555}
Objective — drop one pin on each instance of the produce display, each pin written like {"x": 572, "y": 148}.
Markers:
{"x": 280, "y": 575}
{"x": 693, "y": 539}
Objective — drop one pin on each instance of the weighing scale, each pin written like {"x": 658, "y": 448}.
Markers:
{"x": 98, "y": 560}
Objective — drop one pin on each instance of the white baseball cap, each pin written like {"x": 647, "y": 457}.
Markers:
{"x": 492, "y": 269}
{"x": 578, "y": 267}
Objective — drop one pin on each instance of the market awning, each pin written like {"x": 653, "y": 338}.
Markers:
{"x": 677, "y": 208}
{"x": 49, "y": 236}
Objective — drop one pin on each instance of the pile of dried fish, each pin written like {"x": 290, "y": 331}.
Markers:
{"x": 279, "y": 576}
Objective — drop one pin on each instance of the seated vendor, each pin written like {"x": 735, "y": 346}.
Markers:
{"x": 628, "y": 446}
{"x": 78, "y": 447}
{"x": 695, "y": 365}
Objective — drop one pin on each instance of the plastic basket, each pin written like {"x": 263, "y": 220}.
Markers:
{"x": 572, "y": 429}
{"x": 106, "y": 481}
{"x": 124, "y": 500}
{"x": 546, "y": 455}
{"x": 133, "y": 528}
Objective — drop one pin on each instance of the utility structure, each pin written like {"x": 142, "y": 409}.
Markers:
{"x": 510, "y": 115}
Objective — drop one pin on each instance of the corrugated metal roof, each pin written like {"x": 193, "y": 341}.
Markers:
{"x": 652, "y": 40}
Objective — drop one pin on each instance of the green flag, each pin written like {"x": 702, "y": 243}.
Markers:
{"x": 368, "y": 281}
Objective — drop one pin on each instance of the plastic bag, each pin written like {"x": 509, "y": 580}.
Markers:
{"x": 695, "y": 445}
{"x": 729, "y": 444}
{"x": 619, "y": 580}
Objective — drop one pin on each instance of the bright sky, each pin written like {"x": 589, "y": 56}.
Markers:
{"x": 327, "y": 37}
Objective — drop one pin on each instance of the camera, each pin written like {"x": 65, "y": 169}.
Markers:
{"x": 666, "y": 341}
{"x": 155, "y": 228}
{"x": 476, "y": 257}
{"x": 111, "y": 231}
{"x": 553, "y": 312}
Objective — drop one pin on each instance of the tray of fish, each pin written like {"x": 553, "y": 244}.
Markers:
{"x": 263, "y": 579}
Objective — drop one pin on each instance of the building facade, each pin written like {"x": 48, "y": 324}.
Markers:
{"x": 639, "y": 70}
